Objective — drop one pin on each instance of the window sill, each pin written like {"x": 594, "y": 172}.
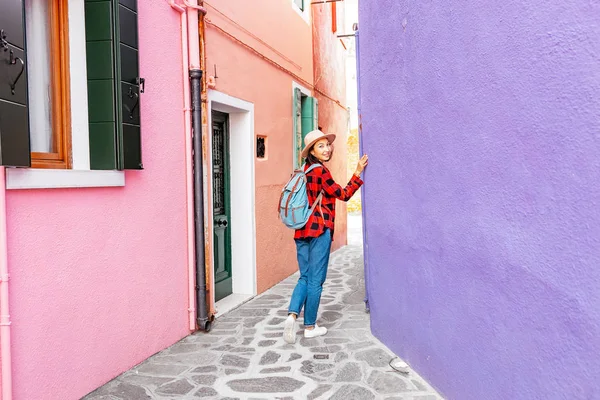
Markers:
{"x": 29, "y": 178}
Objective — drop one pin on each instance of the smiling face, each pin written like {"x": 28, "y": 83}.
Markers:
{"x": 322, "y": 150}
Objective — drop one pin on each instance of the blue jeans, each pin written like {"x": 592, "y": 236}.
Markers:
{"x": 313, "y": 259}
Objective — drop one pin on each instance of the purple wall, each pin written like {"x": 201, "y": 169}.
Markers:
{"x": 482, "y": 123}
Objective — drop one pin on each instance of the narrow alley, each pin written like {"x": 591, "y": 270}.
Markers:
{"x": 245, "y": 357}
{"x": 146, "y": 151}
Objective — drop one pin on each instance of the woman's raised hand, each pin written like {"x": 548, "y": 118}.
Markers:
{"x": 362, "y": 163}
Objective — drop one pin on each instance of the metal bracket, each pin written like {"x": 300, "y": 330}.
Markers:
{"x": 142, "y": 83}
{"x": 12, "y": 60}
{"x": 131, "y": 94}
{"x": 3, "y": 42}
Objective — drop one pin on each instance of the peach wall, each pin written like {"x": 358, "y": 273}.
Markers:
{"x": 277, "y": 31}
{"x": 98, "y": 276}
{"x": 330, "y": 79}
{"x": 244, "y": 74}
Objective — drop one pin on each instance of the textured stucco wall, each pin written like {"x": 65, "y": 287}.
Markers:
{"x": 482, "y": 123}
{"x": 244, "y": 74}
{"x": 330, "y": 78}
{"x": 98, "y": 276}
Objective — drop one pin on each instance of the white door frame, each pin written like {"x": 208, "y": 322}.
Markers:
{"x": 242, "y": 143}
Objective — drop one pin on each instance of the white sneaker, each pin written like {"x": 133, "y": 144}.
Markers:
{"x": 289, "y": 330}
{"x": 316, "y": 331}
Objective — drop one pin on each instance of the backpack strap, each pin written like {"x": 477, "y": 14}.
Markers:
{"x": 320, "y": 197}
{"x": 279, "y": 204}
{"x": 313, "y": 166}
{"x": 317, "y": 201}
{"x": 287, "y": 204}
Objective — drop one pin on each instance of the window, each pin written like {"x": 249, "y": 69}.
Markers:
{"x": 48, "y": 83}
{"x": 306, "y": 117}
{"x": 302, "y": 7}
{"x": 36, "y": 107}
{"x": 261, "y": 147}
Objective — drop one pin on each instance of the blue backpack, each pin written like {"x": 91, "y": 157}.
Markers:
{"x": 294, "y": 209}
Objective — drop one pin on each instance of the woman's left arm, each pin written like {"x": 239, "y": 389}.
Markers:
{"x": 335, "y": 190}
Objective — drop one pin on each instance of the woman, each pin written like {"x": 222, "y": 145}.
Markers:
{"x": 313, "y": 241}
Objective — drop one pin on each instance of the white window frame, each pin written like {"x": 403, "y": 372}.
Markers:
{"x": 305, "y": 14}
{"x": 80, "y": 175}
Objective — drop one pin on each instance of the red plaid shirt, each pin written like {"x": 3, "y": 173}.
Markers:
{"x": 324, "y": 217}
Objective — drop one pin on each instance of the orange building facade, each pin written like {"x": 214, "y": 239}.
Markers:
{"x": 274, "y": 70}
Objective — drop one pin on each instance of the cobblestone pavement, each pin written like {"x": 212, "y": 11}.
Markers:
{"x": 245, "y": 357}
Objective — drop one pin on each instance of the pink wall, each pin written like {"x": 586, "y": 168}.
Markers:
{"x": 98, "y": 276}
{"x": 330, "y": 79}
{"x": 244, "y": 74}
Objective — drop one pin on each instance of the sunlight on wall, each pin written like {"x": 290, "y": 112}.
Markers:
{"x": 354, "y": 205}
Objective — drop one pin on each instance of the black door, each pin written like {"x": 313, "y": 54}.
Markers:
{"x": 221, "y": 205}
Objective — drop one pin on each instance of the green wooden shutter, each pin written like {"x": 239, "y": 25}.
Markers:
{"x": 309, "y": 115}
{"x": 297, "y": 121}
{"x": 14, "y": 118}
{"x": 101, "y": 75}
{"x": 113, "y": 84}
{"x": 315, "y": 113}
{"x": 128, "y": 73}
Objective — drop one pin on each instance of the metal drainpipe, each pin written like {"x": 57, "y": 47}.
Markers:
{"x": 5, "y": 345}
{"x": 204, "y": 322}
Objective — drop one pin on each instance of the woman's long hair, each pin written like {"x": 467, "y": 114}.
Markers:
{"x": 310, "y": 159}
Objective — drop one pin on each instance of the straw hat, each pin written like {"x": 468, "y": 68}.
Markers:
{"x": 313, "y": 137}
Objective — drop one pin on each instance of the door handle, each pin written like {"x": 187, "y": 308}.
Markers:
{"x": 222, "y": 223}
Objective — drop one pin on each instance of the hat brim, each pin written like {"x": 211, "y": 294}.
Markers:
{"x": 330, "y": 137}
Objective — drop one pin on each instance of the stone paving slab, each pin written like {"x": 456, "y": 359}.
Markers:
{"x": 245, "y": 357}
